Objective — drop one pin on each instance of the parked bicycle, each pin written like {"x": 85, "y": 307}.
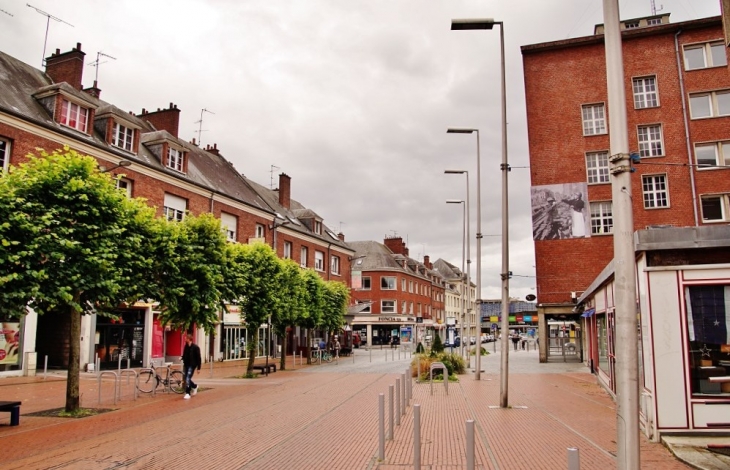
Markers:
{"x": 149, "y": 380}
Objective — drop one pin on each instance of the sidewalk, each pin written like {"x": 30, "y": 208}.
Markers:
{"x": 325, "y": 417}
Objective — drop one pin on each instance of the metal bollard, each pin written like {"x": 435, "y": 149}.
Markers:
{"x": 386, "y": 355}
{"x": 469, "y": 444}
{"x": 98, "y": 365}
{"x": 392, "y": 354}
{"x": 573, "y": 458}
{"x": 119, "y": 363}
{"x": 129, "y": 363}
{"x": 403, "y": 393}
{"x": 390, "y": 412}
{"x": 370, "y": 350}
{"x": 45, "y": 368}
{"x": 417, "y": 437}
{"x": 418, "y": 368}
{"x": 397, "y": 401}
{"x": 211, "y": 366}
{"x": 408, "y": 386}
{"x": 353, "y": 356}
{"x": 381, "y": 426}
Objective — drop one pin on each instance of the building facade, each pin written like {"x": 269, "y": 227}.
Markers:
{"x": 460, "y": 302}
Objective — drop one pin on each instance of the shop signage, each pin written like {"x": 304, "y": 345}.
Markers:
{"x": 397, "y": 319}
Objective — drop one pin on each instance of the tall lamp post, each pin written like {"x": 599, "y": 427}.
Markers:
{"x": 489, "y": 23}
{"x": 477, "y": 372}
{"x": 464, "y": 238}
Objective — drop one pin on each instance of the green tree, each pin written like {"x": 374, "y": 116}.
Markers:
{"x": 311, "y": 315}
{"x": 70, "y": 243}
{"x": 291, "y": 304}
{"x": 438, "y": 346}
{"x": 254, "y": 283}
{"x": 336, "y": 296}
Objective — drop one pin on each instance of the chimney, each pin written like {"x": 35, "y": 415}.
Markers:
{"x": 285, "y": 190}
{"x": 67, "y": 67}
{"x": 213, "y": 149}
{"x": 396, "y": 245}
{"x": 163, "y": 119}
{"x": 427, "y": 262}
{"x": 93, "y": 91}
{"x": 341, "y": 236}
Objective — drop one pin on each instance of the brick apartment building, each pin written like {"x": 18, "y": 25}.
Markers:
{"x": 460, "y": 301}
{"x": 51, "y": 109}
{"x": 677, "y": 89}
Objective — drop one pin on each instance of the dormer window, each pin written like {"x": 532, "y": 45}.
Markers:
{"x": 318, "y": 227}
{"x": 74, "y": 116}
{"x": 122, "y": 137}
{"x": 175, "y": 159}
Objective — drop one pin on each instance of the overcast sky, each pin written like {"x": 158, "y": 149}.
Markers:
{"x": 351, "y": 98}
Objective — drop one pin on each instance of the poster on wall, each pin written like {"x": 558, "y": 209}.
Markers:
{"x": 10, "y": 343}
{"x": 560, "y": 211}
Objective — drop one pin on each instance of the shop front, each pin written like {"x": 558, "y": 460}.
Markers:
{"x": 235, "y": 337}
{"x": 120, "y": 340}
{"x": 377, "y": 330}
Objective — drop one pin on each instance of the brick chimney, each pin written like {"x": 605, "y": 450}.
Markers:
{"x": 341, "y": 236}
{"x": 285, "y": 190}
{"x": 163, "y": 119}
{"x": 213, "y": 149}
{"x": 94, "y": 91}
{"x": 396, "y": 245}
{"x": 67, "y": 67}
{"x": 427, "y": 262}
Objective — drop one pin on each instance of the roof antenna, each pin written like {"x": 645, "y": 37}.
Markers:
{"x": 654, "y": 9}
{"x": 271, "y": 184}
{"x": 200, "y": 127}
{"x": 9, "y": 14}
{"x": 98, "y": 62}
{"x": 48, "y": 22}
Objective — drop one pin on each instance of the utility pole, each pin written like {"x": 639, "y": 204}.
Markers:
{"x": 627, "y": 358}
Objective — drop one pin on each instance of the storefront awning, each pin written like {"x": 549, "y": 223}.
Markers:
{"x": 588, "y": 312}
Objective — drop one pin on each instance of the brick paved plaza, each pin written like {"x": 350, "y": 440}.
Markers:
{"x": 324, "y": 417}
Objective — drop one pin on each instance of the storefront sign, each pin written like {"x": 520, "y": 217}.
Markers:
{"x": 494, "y": 319}
{"x": 528, "y": 318}
{"x": 397, "y": 319}
{"x": 232, "y": 318}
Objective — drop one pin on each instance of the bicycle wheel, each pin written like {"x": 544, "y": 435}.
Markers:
{"x": 147, "y": 381}
{"x": 328, "y": 357}
{"x": 177, "y": 381}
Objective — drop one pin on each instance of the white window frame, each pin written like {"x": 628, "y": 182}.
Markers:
{"x": 655, "y": 191}
{"x": 174, "y": 207}
{"x": 388, "y": 283}
{"x": 335, "y": 264}
{"x": 410, "y": 286}
{"x": 303, "y": 256}
{"x": 650, "y": 145}
{"x": 122, "y": 137}
{"x": 366, "y": 283}
{"x": 594, "y": 119}
{"x": 645, "y": 92}
{"x": 125, "y": 184}
{"x": 632, "y": 24}
{"x": 175, "y": 159}
{"x": 74, "y": 116}
{"x": 229, "y": 225}
{"x": 390, "y": 308}
{"x": 318, "y": 260}
{"x": 403, "y": 284}
{"x": 260, "y": 231}
{"x": 723, "y": 200}
{"x": 403, "y": 307}
{"x": 410, "y": 309}
{"x": 318, "y": 227}
{"x": 4, "y": 154}
{"x": 601, "y": 217}
{"x": 710, "y": 104}
{"x": 653, "y": 21}
{"x": 720, "y": 151}
{"x": 708, "y": 58}
{"x": 288, "y": 247}
{"x": 598, "y": 168}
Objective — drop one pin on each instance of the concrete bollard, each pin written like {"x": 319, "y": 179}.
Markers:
{"x": 417, "y": 437}
{"x": 469, "y": 444}
{"x": 397, "y": 401}
{"x": 370, "y": 350}
{"x": 381, "y": 426}
{"x": 390, "y": 412}
{"x": 403, "y": 393}
{"x": 573, "y": 458}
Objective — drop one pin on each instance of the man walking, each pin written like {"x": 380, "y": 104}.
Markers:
{"x": 191, "y": 361}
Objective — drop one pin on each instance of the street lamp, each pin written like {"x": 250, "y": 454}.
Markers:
{"x": 477, "y": 372}
{"x": 464, "y": 238}
{"x": 489, "y": 23}
{"x": 273, "y": 228}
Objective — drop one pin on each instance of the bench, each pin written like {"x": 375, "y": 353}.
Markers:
{"x": 263, "y": 368}
{"x": 12, "y": 407}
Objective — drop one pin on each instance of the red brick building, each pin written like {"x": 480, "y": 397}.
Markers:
{"x": 677, "y": 89}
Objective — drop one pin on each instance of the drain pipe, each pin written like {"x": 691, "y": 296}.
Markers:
{"x": 680, "y": 73}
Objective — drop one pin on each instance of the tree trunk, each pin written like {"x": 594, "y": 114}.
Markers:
{"x": 282, "y": 364}
{"x": 74, "y": 349}
{"x": 252, "y": 346}
{"x": 307, "y": 341}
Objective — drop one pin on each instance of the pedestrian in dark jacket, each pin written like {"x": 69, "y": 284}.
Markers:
{"x": 191, "y": 361}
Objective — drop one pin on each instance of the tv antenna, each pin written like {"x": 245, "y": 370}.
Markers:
{"x": 271, "y": 171}
{"x": 654, "y": 9}
{"x": 9, "y": 14}
{"x": 98, "y": 62}
{"x": 48, "y": 23}
{"x": 341, "y": 223}
{"x": 200, "y": 127}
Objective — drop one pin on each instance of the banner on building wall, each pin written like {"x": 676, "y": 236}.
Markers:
{"x": 10, "y": 343}
{"x": 357, "y": 279}
{"x": 560, "y": 211}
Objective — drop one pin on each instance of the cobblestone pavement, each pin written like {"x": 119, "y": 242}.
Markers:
{"x": 324, "y": 417}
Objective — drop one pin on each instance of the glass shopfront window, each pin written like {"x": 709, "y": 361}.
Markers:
{"x": 602, "y": 331}
{"x": 235, "y": 339}
{"x": 11, "y": 343}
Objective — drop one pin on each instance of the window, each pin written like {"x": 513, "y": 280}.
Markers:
{"x": 700, "y": 56}
{"x": 594, "y": 119}
{"x": 650, "y": 140}
{"x": 631, "y": 24}
{"x": 655, "y": 192}
{"x": 74, "y": 116}
{"x": 712, "y": 104}
{"x": 645, "y": 95}
{"x": 125, "y": 185}
{"x": 403, "y": 285}
{"x": 260, "y": 231}
{"x": 601, "y": 217}
{"x": 175, "y": 159}
{"x": 653, "y": 21}
{"x": 708, "y": 322}
{"x": 303, "y": 257}
{"x": 122, "y": 137}
{"x": 715, "y": 207}
{"x": 410, "y": 309}
{"x": 410, "y": 286}
{"x": 174, "y": 207}
{"x": 597, "y": 167}
{"x": 713, "y": 155}
{"x": 318, "y": 260}
{"x": 287, "y": 250}
{"x": 335, "y": 265}
{"x": 387, "y": 306}
{"x": 229, "y": 225}
{"x": 387, "y": 283}
{"x": 367, "y": 309}
{"x": 318, "y": 227}
{"x": 366, "y": 285}
{"x": 403, "y": 307}
{"x": 4, "y": 154}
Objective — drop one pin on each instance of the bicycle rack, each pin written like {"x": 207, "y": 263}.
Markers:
{"x": 128, "y": 372}
{"x": 440, "y": 365}
{"x": 116, "y": 383}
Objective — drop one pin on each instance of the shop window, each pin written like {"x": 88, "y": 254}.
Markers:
{"x": 10, "y": 346}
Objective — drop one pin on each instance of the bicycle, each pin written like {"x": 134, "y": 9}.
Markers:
{"x": 149, "y": 380}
